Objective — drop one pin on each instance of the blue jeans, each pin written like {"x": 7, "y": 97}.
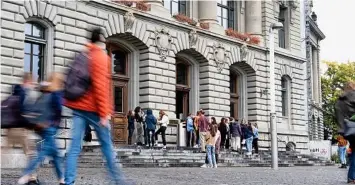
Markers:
{"x": 211, "y": 155}
{"x": 49, "y": 148}
{"x": 81, "y": 119}
{"x": 249, "y": 143}
{"x": 342, "y": 153}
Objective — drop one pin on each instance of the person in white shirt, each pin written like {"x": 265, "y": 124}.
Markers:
{"x": 163, "y": 121}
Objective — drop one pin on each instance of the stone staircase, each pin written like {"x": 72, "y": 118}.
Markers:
{"x": 132, "y": 157}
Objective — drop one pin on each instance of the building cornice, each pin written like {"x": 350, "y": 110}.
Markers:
{"x": 315, "y": 29}
{"x": 173, "y": 23}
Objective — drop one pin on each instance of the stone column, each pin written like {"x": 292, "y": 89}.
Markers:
{"x": 253, "y": 20}
{"x": 207, "y": 13}
{"x": 315, "y": 75}
{"x": 157, "y": 8}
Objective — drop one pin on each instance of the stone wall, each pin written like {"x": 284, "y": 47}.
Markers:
{"x": 154, "y": 43}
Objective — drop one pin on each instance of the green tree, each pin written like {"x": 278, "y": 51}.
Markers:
{"x": 333, "y": 82}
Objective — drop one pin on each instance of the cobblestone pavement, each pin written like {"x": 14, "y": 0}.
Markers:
{"x": 199, "y": 176}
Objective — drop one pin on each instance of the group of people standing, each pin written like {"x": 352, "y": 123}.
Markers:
{"x": 227, "y": 134}
{"x": 142, "y": 127}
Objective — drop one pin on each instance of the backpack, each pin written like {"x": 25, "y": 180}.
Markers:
{"x": 11, "y": 112}
{"x": 78, "y": 78}
{"x": 40, "y": 111}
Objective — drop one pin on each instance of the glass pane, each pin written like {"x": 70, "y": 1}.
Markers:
{"x": 224, "y": 2}
{"x": 36, "y": 68}
{"x": 219, "y": 20}
{"x": 182, "y": 9}
{"x": 232, "y": 110}
{"x": 174, "y": 8}
{"x": 119, "y": 62}
{"x": 27, "y": 63}
{"x": 37, "y": 49}
{"x": 284, "y": 101}
{"x": 28, "y": 29}
{"x": 28, "y": 48}
{"x": 118, "y": 99}
{"x": 167, "y": 4}
{"x": 181, "y": 74}
{"x": 224, "y": 23}
{"x": 219, "y": 13}
{"x": 225, "y": 13}
{"x": 37, "y": 31}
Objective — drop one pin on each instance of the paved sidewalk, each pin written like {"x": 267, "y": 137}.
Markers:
{"x": 199, "y": 176}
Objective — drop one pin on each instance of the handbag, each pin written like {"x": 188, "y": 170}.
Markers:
{"x": 349, "y": 128}
{"x": 11, "y": 113}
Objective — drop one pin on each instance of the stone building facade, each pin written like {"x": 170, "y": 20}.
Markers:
{"x": 161, "y": 63}
{"x": 312, "y": 38}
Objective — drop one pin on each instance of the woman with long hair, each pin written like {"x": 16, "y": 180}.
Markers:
{"x": 211, "y": 138}
{"x": 163, "y": 121}
{"x": 213, "y": 121}
{"x": 138, "y": 118}
{"x": 255, "y": 138}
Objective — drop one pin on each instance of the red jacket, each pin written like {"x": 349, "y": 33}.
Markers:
{"x": 97, "y": 98}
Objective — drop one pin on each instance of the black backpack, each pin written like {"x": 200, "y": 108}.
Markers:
{"x": 78, "y": 78}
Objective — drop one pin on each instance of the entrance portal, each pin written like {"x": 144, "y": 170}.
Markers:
{"x": 120, "y": 79}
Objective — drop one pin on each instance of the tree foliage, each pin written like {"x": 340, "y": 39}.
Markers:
{"x": 333, "y": 82}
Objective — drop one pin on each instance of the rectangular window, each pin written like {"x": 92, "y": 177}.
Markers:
{"x": 282, "y": 31}
{"x": 225, "y": 14}
{"x": 181, "y": 74}
{"x": 284, "y": 96}
{"x": 175, "y": 6}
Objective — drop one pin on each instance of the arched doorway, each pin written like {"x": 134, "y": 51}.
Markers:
{"x": 120, "y": 80}
{"x": 183, "y": 87}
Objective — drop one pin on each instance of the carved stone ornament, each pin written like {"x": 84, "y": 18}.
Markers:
{"x": 193, "y": 39}
{"x": 244, "y": 52}
{"x": 220, "y": 56}
{"x": 163, "y": 41}
{"x": 129, "y": 21}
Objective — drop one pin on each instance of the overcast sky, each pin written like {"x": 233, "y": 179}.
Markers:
{"x": 336, "y": 18}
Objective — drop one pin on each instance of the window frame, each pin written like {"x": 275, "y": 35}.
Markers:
{"x": 179, "y": 3}
{"x": 283, "y": 42}
{"x": 41, "y": 41}
{"x": 285, "y": 96}
{"x": 187, "y": 72}
{"x": 231, "y": 14}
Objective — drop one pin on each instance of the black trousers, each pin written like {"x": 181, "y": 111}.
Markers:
{"x": 190, "y": 138}
{"x": 255, "y": 145}
{"x": 161, "y": 130}
{"x": 150, "y": 139}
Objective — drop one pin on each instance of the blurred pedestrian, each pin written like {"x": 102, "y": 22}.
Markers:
{"x": 203, "y": 124}
{"x": 248, "y": 135}
{"x": 210, "y": 139}
{"x": 51, "y": 100}
{"x": 223, "y": 130}
{"x": 236, "y": 135}
{"x": 94, "y": 108}
{"x": 139, "y": 125}
{"x": 342, "y": 143}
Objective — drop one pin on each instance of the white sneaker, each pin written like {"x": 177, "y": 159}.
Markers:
{"x": 215, "y": 166}
{"x": 164, "y": 148}
{"x": 23, "y": 180}
{"x": 204, "y": 166}
{"x": 196, "y": 146}
{"x": 248, "y": 153}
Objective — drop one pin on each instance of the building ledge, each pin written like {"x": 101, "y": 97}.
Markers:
{"x": 315, "y": 29}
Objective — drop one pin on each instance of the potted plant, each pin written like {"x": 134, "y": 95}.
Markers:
{"x": 205, "y": 26}
{"x": 141, "y": 5}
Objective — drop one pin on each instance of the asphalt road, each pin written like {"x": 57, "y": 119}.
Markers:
{"x": 199, "y": 176}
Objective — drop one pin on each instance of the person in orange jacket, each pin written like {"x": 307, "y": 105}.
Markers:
{"x": 342, "y": 142}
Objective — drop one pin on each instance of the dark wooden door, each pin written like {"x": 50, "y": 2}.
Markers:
{"x": 119, "y": 120}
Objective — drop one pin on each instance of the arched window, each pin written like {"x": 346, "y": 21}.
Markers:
{"x": 35, "y": 45}
{"x": 285, "y": 95}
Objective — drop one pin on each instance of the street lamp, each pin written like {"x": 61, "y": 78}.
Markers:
{"x": 274, "y": 154}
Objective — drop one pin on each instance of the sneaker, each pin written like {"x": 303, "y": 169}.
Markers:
{"x": 215, "y": 166}
{"x": 204, "y": 166}
{"x": 164, "y": 148}
{"x": 23, "y": 180}
{"x": 248, "y": 153}
{"x": 196, "y": 146}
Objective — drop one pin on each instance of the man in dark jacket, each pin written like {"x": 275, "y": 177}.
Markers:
{"x": 151, "y": 123}
{"x": 236, "y": 135}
